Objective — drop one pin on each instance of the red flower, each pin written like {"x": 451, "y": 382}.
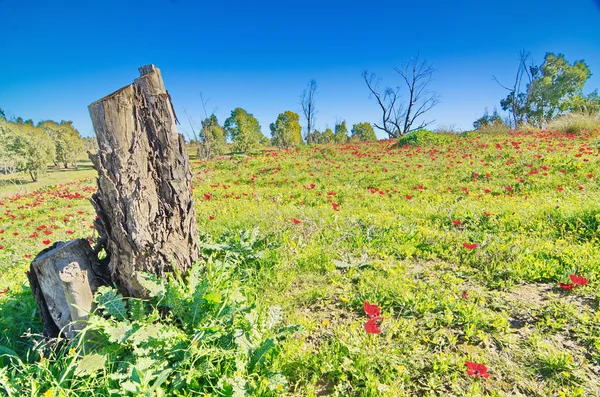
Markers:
{"x": 296, "y": 221}
{"x": 4, "y": 291}
{"x": 372, "y": 327}
{"x": 560, "y": 189}
{"x": 470, "y": 246}
{"x": 373, "y": 311}
{"x": 336, "y": 207}
{"x": 69, "y": 232}
{"x": 476, "y": 370}
{"x": 508, "y": 188}
{"x": 408, "y": 197}
{"x": 456, "y": 223}
{"x": 207, "y": 196}
{"x": 465, "y": 295}
{"x": 486, "y": 213}
{"x": 211, "y": 217}
{"x": 27, "y": 256}
{"x": 46, "y": 242}
{"x": 578, "y": 280}
{"x": 566, "y": 286}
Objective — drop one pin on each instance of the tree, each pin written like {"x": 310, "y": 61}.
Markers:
{"x": 363, "y": 132}
{"x": 212, "y": 137}
{"x": 486, "y": 120}
{"x": 33, "y": 148}
{"x": 328, "y": 136}
{"x": 341, "y": 132}
{"x": 308, "y": 108}
{"x": 519, "y": 97}
{"x": 399, "y": 118}
{"x": 286, "y": 130}
{"x": 2, "y": 114}
{"x": 67, "y": 140}
{"x": 243, "y": 129}
{"x": 553, "y": 88}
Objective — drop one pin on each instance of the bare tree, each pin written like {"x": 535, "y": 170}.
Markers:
{"x": 308, "y": 108}
{"x": 398, "y": 117}
{"x": 518, "y": 101}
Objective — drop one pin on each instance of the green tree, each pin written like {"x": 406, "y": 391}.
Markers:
{"x": 487, "y": 119}
{"x": 554, "y": 88}
{"x": 328, "y": 136}
{"x": 243, "y": 129}
{"x": 68, "y": 143}
{"x": 286, "y": 130}
{"x": 363, "y": 132}
{"x": 33, "y": 148}
{"x": 212, "y": 138}
{"x": 341, "y": 132}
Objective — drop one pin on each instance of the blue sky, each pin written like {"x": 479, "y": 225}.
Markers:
{"x": 58, "y": 57}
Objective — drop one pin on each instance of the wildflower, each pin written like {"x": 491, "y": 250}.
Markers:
{"x": 207, "y": 196}
{"x": 476, "y": 370}
{"x": 372, "y": 327}
{"x": 470, "y": 246}
{"x": 568, "y": 287}
{"x": 211, "y": 217}
{"x": 4, "y": 291}
{"x": 486, "y": 213}
{"x": 296, "y": 221}
{"x": 408, "y": 197}
{"x": 465, "y": 295}
{"x": 456, "y": 223}
{"x": 46, "y": 242}
{"x": 336, "y": 207}
{"x": 373, "y": 311}
{"x": 578, "y": 280}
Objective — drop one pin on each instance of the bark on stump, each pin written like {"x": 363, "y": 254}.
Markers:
{"x": 146, "y": 217}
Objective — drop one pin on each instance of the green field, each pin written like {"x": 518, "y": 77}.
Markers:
{"x": 460, "y": 240}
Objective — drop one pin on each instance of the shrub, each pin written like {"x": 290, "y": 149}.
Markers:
{"x": 421, "y": 138}
{"x": 575, "y": 122}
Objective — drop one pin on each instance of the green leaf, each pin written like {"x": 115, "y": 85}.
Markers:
{"x": 90, "y": 364}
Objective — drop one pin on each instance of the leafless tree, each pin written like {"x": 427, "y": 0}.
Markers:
{"x": 518, "y": 101}
{"x": 308, "y": 108}
{"x": 399, "y": 117}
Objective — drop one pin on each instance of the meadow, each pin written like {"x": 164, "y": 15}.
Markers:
{"x": 460, "y": 241}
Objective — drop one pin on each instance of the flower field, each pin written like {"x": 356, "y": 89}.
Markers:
{"x": 464, "y": 266}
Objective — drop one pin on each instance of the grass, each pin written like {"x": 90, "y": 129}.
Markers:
{"x": 460, "y": 242}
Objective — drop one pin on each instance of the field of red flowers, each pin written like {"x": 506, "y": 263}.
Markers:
{"x": 465, "y": 266}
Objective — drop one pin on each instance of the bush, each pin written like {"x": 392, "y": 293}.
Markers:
{"x": 421, "y": 138}
{"x": 493, "y": 129}
{"x": 575, "y": 122}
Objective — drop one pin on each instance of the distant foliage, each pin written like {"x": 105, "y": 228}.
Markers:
{"x": 286, "y": 130}
{"x": 243, "y": 129}
{"x": 363, "y": 132}
{"x": 554, "y": 88}
{"x": 30, "y": 148}
{"x": 68, "y": 144}
{"x": 488, "y": 120}
{"x": 212, "y": 138}
{"x": 341, "y": 133}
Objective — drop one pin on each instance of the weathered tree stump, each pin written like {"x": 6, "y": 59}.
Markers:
{"x": 146, "y": 219}
{"x": 62, "y": 302}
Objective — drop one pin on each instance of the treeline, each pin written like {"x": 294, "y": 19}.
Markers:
{"x": 29, "y": 147}
{"x": 243, "y": 131}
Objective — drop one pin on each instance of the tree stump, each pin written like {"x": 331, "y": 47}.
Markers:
{"x": 146, "y": 219}
{"x": 146, "y": 216}
{"x": 61, "y": 302}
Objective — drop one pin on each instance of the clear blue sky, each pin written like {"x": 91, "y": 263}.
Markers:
{"x": 59, "y": 56}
